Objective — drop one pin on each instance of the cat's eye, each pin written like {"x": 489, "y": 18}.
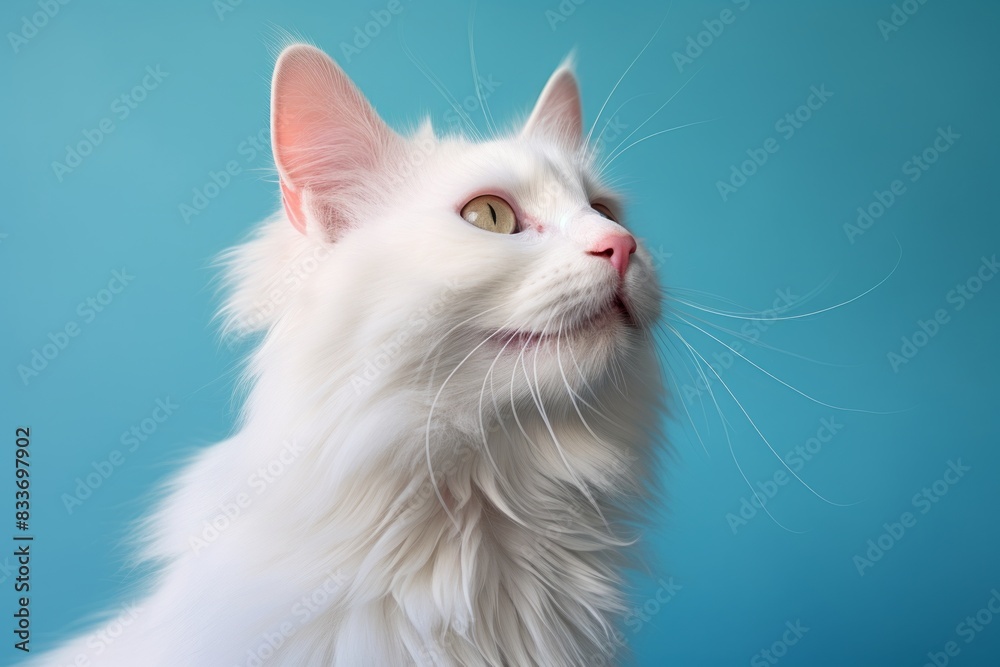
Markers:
{"x": 491, "y": 213}
{"x": 604, "y": 211}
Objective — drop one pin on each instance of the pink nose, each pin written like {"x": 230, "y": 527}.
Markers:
{"x": 617, "y": 247}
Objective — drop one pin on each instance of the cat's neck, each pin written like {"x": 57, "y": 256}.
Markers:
{"x": 487, "y": 527}
{"x": 469, "y": 540}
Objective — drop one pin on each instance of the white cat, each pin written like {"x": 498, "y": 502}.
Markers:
{"x": 452, "y": 413}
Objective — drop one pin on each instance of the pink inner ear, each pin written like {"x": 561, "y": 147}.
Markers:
{"x": 326, "y": 136}
{"x": 292, "y": 202}
{"x": 558, "y": 111}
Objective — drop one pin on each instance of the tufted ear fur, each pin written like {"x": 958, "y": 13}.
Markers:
{"x": 558, "y": 111}
{"x": 327, "y": 140}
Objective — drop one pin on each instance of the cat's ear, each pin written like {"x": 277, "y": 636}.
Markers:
{"x": 327, "y": 139}
{"x": 558, "y": 112}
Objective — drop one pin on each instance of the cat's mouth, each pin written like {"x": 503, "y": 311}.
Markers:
{"x": 615, "y": 312}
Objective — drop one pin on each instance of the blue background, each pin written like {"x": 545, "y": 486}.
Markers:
{"x": 781, "y": 230}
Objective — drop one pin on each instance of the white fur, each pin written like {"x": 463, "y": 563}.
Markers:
{"x": 431, "y": 500}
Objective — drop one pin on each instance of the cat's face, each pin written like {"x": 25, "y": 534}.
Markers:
{"x": 498, "y": 265}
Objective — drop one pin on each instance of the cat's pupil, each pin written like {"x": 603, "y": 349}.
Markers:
{"x": 493, "y": 213}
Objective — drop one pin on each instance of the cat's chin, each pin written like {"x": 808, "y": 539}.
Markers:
{"x": 605, "y": 323}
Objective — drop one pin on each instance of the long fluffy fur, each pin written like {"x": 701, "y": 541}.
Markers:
{"x": 410, "y": 484}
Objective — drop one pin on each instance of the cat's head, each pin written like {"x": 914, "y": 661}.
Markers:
{"x": 503, "y": 265}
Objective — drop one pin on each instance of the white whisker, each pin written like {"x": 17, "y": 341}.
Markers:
{"x": 619, "y": 153}
{"x": 487, "y": 116}
{"x": 625, "y": 73}
{"x": 440, "y": 87}
{"x": 777, "y": 379}
{"x": 739, "y": 467}
{"x": 613, "y": 155}
{"x": 810, "y": 314}
{"x": 764, "y": 438}
{"x": 430, "y": 416}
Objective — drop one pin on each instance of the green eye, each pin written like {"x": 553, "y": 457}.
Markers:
{"x": 604, "y": 211}
{"x": 491, "y": 213}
